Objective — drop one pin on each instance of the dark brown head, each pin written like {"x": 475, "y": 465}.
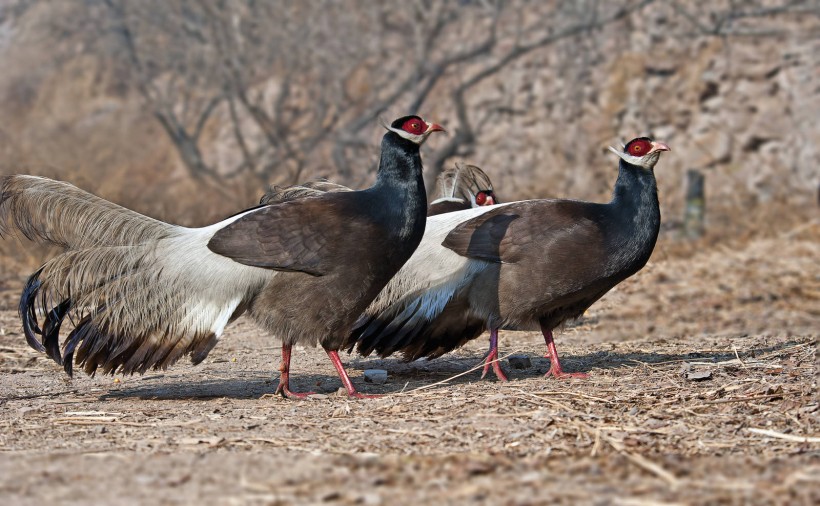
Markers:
{"x": 641, "y": 152}
{"x": 414, "y": 129}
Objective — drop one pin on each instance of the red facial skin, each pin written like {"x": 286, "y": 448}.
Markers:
{"x": 639, "y": 147}
{"x": 483, "y": 198}
{"x": 417, "y": 126}
{"x": 414, "y": 126}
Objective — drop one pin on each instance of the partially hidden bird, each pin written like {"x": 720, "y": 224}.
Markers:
{"x": 141, "y": 293}
{"x": 522, "y": 265}
{"x": 461, "y": 187}
{"x": 457, "y": 188}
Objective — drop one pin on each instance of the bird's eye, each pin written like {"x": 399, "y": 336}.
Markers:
{"x": 638, "y": 147}
{"x": 480, "y": 198}
{"x": 414, "y": 126}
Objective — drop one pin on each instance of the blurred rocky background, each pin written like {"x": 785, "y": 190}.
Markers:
{"x": 188, "y": 110}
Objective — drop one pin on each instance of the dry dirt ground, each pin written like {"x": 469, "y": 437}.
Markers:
{"x": 702, "y": 389}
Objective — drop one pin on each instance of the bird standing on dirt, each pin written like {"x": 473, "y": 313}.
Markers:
{"x": 522, "y": 265}
{"x": 458, "y": 188}
{"x": 142, "y": 293}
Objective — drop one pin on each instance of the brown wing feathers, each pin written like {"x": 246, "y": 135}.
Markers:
{"x": 502, "y": 236}
{"x": 279, "y": 237}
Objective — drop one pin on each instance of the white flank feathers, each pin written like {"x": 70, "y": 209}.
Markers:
{"x": 434, "y": 273}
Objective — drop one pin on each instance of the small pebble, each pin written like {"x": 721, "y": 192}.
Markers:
{"x": 695, "y": 374}
{"x": 699, "y": 375}
{"x": 377, "y": 376}
{"x": 24, "y": 411}
{"x": 520, "y": 361}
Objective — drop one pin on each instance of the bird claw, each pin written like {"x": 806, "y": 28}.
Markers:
{"x": 555, "y": 365}
{"x": 492, "y": 360}
{"x": 287, "y": 394}
{"x": 486, "y": 368}
{"x": 559, "y": 374}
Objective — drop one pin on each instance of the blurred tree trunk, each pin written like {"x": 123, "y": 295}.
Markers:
{"x": 695, "y": 209}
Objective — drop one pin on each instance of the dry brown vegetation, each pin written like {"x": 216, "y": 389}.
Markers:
{"x": 703, "y": 367}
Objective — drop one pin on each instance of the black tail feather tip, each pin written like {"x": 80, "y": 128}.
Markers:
{"x": 51, "y": 330}
{"x": 28, "y": 312}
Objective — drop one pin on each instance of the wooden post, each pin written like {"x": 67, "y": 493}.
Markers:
{"x": 695, "y": 205}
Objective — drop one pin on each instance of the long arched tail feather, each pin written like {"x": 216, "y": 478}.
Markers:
{"x": 142, "y": 293}
{"x": 60, "y": 213}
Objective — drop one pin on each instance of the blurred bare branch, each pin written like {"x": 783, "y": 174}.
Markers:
{"x": 723, "y": 22}
{"x": 252, "y": 93}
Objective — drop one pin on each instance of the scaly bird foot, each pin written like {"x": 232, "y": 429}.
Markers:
{"x": 492, "y": 360}
{"x": 288, "y": 394}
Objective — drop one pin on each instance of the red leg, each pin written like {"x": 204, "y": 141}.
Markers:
{"x": 284, "y": 378}
{"x": 492, "y": 358}
{"x": 555, "y": 365}
{"x": 351, "y": 390}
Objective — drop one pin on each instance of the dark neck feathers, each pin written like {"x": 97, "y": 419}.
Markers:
{"x": 400, "y": 161}
{"x": 635, "y": 186}
{"x": 399, "y": 188}
{"x": 635, "y": 216}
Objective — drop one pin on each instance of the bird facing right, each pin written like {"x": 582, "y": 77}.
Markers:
{"x": 141, "y": 293}
{"x": 519, "y": 266}
{"x": 461, "y": 187}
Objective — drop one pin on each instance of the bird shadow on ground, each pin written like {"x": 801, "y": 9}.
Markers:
{"x": 611, "y": 360}
{"x": 233, "y": 388}
{"x": 448, "y": 365}
{"x": 414, "y": 374}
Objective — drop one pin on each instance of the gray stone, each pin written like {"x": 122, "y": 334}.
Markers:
{"x": 520, "y": 361}
{"x": 377, "y": 376}
{"x": 699, "y": 375}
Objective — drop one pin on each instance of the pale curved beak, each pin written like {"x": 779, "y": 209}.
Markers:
{"x": 433, "y": 127}
{"x": 659, "y": 146}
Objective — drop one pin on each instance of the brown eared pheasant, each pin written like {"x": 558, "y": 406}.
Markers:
{"x": 133, "y": 293}
{"x": 520, "y": 266}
